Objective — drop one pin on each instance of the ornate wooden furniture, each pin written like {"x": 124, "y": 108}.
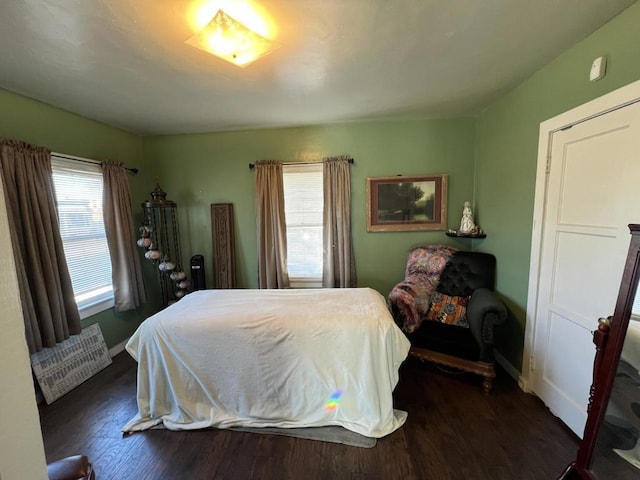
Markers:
{"x": 610, "y": 448}
{"x": 224, "y": 263}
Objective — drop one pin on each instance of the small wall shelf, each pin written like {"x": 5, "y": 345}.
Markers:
{"x": 465, "y": 235}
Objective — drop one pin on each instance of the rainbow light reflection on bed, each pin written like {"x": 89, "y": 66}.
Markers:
{"x": 334, "y": 399}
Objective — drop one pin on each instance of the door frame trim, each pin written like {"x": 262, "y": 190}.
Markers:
{"x": 609, "y": 102}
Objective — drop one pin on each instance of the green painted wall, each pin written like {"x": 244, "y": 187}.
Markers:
{"x": 506, "y": 153}
{"x": 499, "y": 147}
{"x": 64, "y": 132}
{"x": 197, "y": 170}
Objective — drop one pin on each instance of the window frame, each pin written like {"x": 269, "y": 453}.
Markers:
{"x": 61, "y": 163}
{"x": 297, "y": 281}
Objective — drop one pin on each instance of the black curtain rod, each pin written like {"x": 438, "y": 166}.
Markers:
{"x": 93, "y": 162}
{"x": 253, "y": 165}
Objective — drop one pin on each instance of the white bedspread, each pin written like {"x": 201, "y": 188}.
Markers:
{"x": 270, "y": 358}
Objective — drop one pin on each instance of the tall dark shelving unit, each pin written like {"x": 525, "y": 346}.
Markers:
{"x": 160, "y": 236}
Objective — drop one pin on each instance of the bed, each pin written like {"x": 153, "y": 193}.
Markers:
{"x": 270, "y": 358}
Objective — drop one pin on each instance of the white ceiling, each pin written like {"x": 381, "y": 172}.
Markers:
{"x": 125, "y": 63}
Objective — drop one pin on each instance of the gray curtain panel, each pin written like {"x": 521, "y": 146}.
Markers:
{"x": 339, "y": 268}
{"x": 128, "y": 285}
{"x": 271, "y": 225}
{"x": 46, "y": 293}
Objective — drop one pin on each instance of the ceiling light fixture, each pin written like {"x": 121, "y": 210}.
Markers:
{"x": 231, "y": 40}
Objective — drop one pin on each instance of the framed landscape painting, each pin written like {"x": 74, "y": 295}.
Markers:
{"x": 405, "y": 204}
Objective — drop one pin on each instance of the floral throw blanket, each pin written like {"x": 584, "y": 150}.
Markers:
{"x": 411, "y": 298}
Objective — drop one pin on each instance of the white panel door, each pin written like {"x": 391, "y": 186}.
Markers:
{"x": 593, "y": 193}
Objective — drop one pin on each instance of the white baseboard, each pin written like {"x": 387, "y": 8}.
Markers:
{"x": 511, "y": 370}
{"x": 116, "y": 349}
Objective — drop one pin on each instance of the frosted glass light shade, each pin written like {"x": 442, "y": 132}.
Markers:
{"x": 232, "y": 41}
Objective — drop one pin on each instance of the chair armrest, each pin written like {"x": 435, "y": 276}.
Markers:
{"x": 409, "y": 300}
{"x": 485, "y": 310}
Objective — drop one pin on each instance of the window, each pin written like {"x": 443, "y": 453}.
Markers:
{"x": 303, "y": 201}
{"x": 78, "y": 189}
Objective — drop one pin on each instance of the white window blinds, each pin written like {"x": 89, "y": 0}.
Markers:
{"x": 303, "y": 200}
{"x": 78, "y": 188}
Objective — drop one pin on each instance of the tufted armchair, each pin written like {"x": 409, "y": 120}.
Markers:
{"x": 447, "y": 308}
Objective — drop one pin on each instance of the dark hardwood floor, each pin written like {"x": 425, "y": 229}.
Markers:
{"x": 454, "y": 431}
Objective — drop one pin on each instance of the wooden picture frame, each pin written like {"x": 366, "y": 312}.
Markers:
{"x": 406, "y": 204}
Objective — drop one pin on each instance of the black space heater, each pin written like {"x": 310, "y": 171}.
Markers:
{"x": 197, "y": 273}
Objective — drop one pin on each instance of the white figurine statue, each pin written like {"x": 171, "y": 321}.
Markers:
{"x": 466, "y": 224}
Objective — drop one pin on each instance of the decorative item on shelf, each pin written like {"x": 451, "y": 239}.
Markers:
{"x": 144, "y": 242}
{"x": 166, "y": 265}
{"x": 468, "y": 228}
{"x": 467, "y": 225}
{"x": 177, "y": 276}
{"x": 160, "y": 237}
{"x": 153, "y": 254}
